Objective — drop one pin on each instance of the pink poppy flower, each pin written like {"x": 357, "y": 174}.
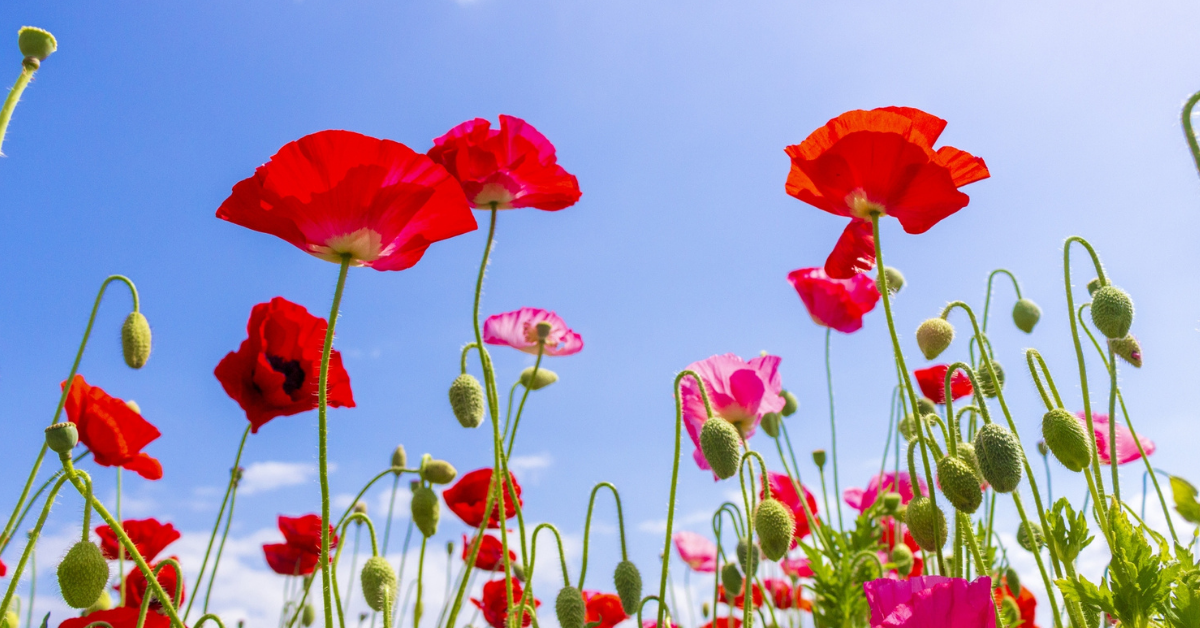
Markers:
{"x": 796, "y": 567}
{"x": 861, "y": 500}
{"x": 518, "y": 329}
{"x": 836, "y": 303}
{"x": 1127, "y": 450}
{"x": 931, "y": 602}
{"x": 740, "y": 392}
{"x": 696, "y": 550}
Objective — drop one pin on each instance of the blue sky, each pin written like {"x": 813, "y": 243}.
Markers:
{"x": 674, "y": 116}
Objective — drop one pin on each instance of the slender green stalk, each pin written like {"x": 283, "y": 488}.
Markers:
{"x": 1083, "y": 381}
{"x": 417, "y": 608}
{"x": 1037, "y": 554}
{"x": 404, "y": 560}
{"x": 120, "y": 549}
{"x": 32, "y": 583}
{"x": 38, "y": 493}
{"x": 28, "y": 68}
{"x": 587, "y": 527}
{"x": 15, "y": 578}
{"x": 837, "y": 489}
{"x": 387, "y": 529}
{"x": 323, "y": 438}
{"x": 965, "y": 522}
{"x": 512, "y": 436}
{"x": 237, "y": 459}
{"x": 350, "y": 509}
{"x": 353, "y": 567}
{"x": 1187, "y": 128}
{"x": 212, "y": 578}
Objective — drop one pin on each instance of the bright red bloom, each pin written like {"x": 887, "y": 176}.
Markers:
{"x": 336, "y": 193}
{"x": 1025, "y": 601}
{"x": 513, "y": 166}
{"x": 299, "y": 554}
{"x": 932, "y": 382}
{"x": 755, "y": 595}
{"x": 782, "y": 594}
{"x": 135, "y": 586}
{"x": 495, "y": 603}
{"x": 119, "y": 617}
{"x": 722, "y": 622}
{"x": 784, "y": 490}
{"x": 491, "y": 553}
{"x": 3, "y": 569}
{"x": 114, "y": 432}
{"x": 836, "y": 303}
{"x": 276, "y": 370}
{"x": 149, "y": 536}
{"x": 882, "y": 160}
{"x": 468, "y": 497}
{"x": 604, "y": 608}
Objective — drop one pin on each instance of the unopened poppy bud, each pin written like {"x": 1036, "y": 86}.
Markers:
{"x": 705, "y": 610}
{"x": 895, "y": 280}
{"x": 449, "y": 547}
{"x": 439, "y": 472}
{"x": 543, "y": 330}
{"x": 731, "y": 579}
{"x": 570, "y": 608}
{"x": 399, "y": 458}
{"x": 720, "y": 443}
{"x": 425, "y": 510}
{"x": 1093, "y": 286}
{"x": 135, "y": 340}
{"x": 988, "y": 386}
{"x": 818, "y": 456}
{"x": 10, "y": 619}
{"x": 902, "y": 557}
{"x": 466, "y": 399}
{"x": 1010, "y": 611}
{"x": 36, "y": 43}
{"x": 959, "y": 484}
{"x": 82, "y": 575}
{"x": 934, "y": 336}
{"x": 926, "y": 523}
{"x": 1128, "y": 348}
{"x": 102, "y": 603}
{"x": 966, "y": 453}
{"x": 544, "y": 378}
{"x": 378, "y": 583}
{"x": 1066, "y": 439}
{"x": 1030, "y": 536}
{"x": 360, "y": 508}
{"x": 790, "y": 403}
{"x": 61, "y": 438}
{"x": 1013, "y": 581}
{"x": 926, "y": 406}
{"x": 909, "y": 426}
{"x": 308, "y": 615}
{"x": 1026, "y": 315}
{"x": 892, "y": 501}
{"x": 748, "y": 556}
{"x": 1043, "y": 450}
{"x": 770, "y": 423}
{"x": 775, "y": 527}
{"x": 628, "y": 581}
{"x": 1112, "y": 311}
{"x": 1000, "y": 457}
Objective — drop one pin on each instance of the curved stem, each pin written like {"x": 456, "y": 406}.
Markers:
{"x": 1187, "y": 128}
{"x": 587, "y": 527}
{"x": 322, "y": 441}
{"x": 1083, "y": 381}
{"x": 462, "y": 361}
{"x": 38, "y": 493}
{"x": 350, "y": 509}
{"x": 562, "y": 557}
{"x": 1037, "y": 554}
{"x": 512, "y": 437}
{"x": 25, "y": 556}
{"x": 14, "y": 96}
{"x": 837, "y": 489}
{"x": 217, "y": 524}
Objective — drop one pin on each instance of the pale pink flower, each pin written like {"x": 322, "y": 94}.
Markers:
{"x": 1127, "y": 450}
{"x": 696, "y": 550}
{"x": 796, "y": 567}
{"x": 518, "y": 329}
{"x": 861, "y": 500}
{"x": 740, "y": 392}
{"x": 931, "y": 602}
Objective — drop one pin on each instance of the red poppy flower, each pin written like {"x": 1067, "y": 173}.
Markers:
{"x": 782, "y": 594}
{"x": 495, "y": 603}
{"x": 148, "y": 536}
{"x": 336, "y": 193}
{"x": 882, "y": 160}
{"x": 119, "y": 617}
{"x": 932, "y": 382}
{"x": 513, "y": 166}
{"x": 3, "y": 569}
{"x": 135, "y": 586}
{"x": 836, "y": 303}
{"x": 276, "y": 370}
{"x": 604, "y": 608}
{"x": 724, "y": 622}
{"x": 299, "y": 554}
{"x": 114, "y": 432}
{"x": 888, "y": 540}
{"x": 784, "y": 490}
{"x": 491, "y": 553}
{"x": 755, "y": 595}
{"x": 1025, "y": 601}
{"x": 468, "y": 497}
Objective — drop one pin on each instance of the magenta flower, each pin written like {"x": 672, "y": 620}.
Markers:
{"x": 1127, "y": 450}
{"x": 837, "y": 303}
{"x": 740, "y": 392}
{"x": 697, "y": 551}
{"x": 518, "y": 330}
{"x": 861, "y": 500}
{"x": 931, "y": 602}
{"x": 796, "y": 567}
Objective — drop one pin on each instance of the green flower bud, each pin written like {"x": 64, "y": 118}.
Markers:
{"x": 818, "y": 456}
{"x": 966, "y": 453}
{"x": 895, "y": 280}
{"x": 1013, "y": 581}
{"x": 36, "y": 43}
{"x": 892, "y": 501}
{"x": 1093, "y": 286}
{"x": 721, "y": 444}
{"x": 790, "y": 403}
{"x": 1128, "y": 348}
{"x": 1112, "y": 311}
{"x": 1067, "y": 439}
{"x": 775, "y": 527}
{"x": 934, "y": 336}
{"x": 959, "y": 484}
{"x": 102, "y": 603}
{"x": 425, "y": 510}
{"x": 770, "y": 423}
{"x": 399, "y": 458}
{"x": 731, "y": 579}
{"x": 518, "y": 571}
{"x": 360, "y": 508}
{"x": 748, "y": 556}
{"x": 10, "y": 620}
{"x": 926, "y": 523}
{"x": 866, "y": 569}
{"x": 135, "y": 340}
{"x": 61, "y": 438}
{"x": 706, "y": 610}
{"x": 439, "y": 472}
{"x": 570, "y": 608}
{"x": 1042, "y": 448}
{"x": 378, "y": 583}
{"x": 902, "y": 557}
{"x": 1000, "y": 457}
{"x": 1010, "y": 612}
{"x": 987, "y": 386}
{"x": 1030, "y": 536}
{"x": 82, "y": 575}
{"x": 628, "y": 581}
{"x": 308, "y": 616}
{"x": 926, "y": 406}
{"x": 466, "y": 399}
{"x": 544, "y": 378}
{"x": 1026, "y": 315}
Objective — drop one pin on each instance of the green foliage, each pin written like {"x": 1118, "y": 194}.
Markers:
{"x": 1068, "y": 530}
{"x": 839, "y": 573}
{"x": 1185, "y": 500}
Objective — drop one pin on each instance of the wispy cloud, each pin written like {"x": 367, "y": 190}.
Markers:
{"x": 528, "y": 466}
{"x": 658, "y": 526}
{"x": 261, "y": 477}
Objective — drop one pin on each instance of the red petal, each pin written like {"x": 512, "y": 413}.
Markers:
{"x": 854, "y": 252}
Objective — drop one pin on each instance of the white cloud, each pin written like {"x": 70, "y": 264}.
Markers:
{"x": 659, "y": 526}
{"x": 527, "y": 467}
{"x": 261, "y": 477}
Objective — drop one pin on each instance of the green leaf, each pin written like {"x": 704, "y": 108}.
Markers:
{"x": 1185, "y": 499}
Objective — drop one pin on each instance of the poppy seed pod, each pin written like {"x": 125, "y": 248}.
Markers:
{"x": 721, "y": 444}
{"x": 770, "y": 424}
{"x": 790, "y": 403}
{"x": 775, "y": 527}
{"x": 989, "y": 387}
{"x": 959, "y": 484}
{"x": 1030, "y": 536}
{"x": 926, "y": 405}
{"x": 892, "y": 501}
{"x": 36, "y": 43}
{"x": 308, "y": 615}
{"x": 1112, "y": 311}
{"x": 439, "y": 472}
{"x": 135, "y": 340}
{"x": 544, "y": 378}
{"x": 1128, "y": 348}
{"x": 1026, "y": 315}
{"x": 543, "y": 330}
{"x": 926, "y": 523}
{"x": 902, "y": 557}
{"x": 934, "y": 336}
{"x": 82, "y": 575}
{"x": 61, "y": 438}
{"x": 731, "y": 579}
{"x": 748, "y": 556}
{"x": 895, "y": 280}
{"x": 102, "y": 603}
{"x": 466, "y": 399}
{"x": 818, "y": 456}
{"x": 570, "y": 608}
{"x": 908, "y": 425}
{"x": 999, "y": 456}
{"x": 628, "y": 581}
{"x": 399, "y": 458}
{"x": 1067, "y": 439}
{"x": 378, "y": 583}
{"x": 1013, "y": 581}
{"x": 425, "y": 510}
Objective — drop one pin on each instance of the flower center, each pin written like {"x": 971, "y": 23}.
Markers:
{"x": 362, "y": 245}
{"x": 293, "y": 374}
{"x": 862, "y": 207}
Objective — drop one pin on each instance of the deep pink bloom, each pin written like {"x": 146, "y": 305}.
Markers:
{"x": 740, "y": 392}
{"x": 932, "y": 382}
{"x": 861, "y": 500}
{"x": 697, "y": 551}
{"x": 836, "y": 303}
{"x": 518, "y": 329}
{"x": 1127, "y": 450}
{"x": 796, "y": 567}
{"x": 931, "y": 602}
{"x": 784, "y": 490}
{"x": 782, "y": 594}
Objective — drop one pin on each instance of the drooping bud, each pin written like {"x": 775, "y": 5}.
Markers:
{"x": 748, "y": 556}
{"x": 895, "y": 280}
{"x": 466, "y": 399}
{"x": 989, "y": 387}
{"x": 1030, "y": 536}
{"x": 818, "y": 456}
{"x": 1043, "y": 450}
{"x": 439, "y": 472}
{"x": 1128, "y": 348}
{"x": 1067, "y": 439}
{"x": 926, "y": 523}
{"x": 966, "y": 453}
{"x": 1026, "y": 315}
{"x": 425, "y": 510}
{"x": 731, "y": 579}
{"x": 61, "y": 438}
{"x": 959, "y": 484}
{"x": 775, "y": 526}
{"x": 926, "y": 405}
{"x": 1000, "y": 457}
{"x": 790, "y": 403}
{"x": 705, "y": 610}
{"x": 399, "y": 458}
{"x": 902, "y": 557}
{"x": 1013, "y": 581}
{"x": 570, "y": 608}
{"x": 135, "y": 340}
{"x": 102, "y": 603}
{"x": 82, "y": 575}
{"x": 378, "y": 583}
{"x": 360, "y": 508}
{"x": 518, "y": 571}
{"x": 892, "y": 501}
{"x": 1112, "y": 311}
{"x": 1093, "y": 286}
{"x": 36, "y": 43}
{"x": 908, "y": 425}
{"x": 628, "y": 581}
{"x": 770, "y": 423}
{"x": 721, "y": 444}
{"x": 308, "y": 615}
{"x": 1010, "y": 612}
{"x": 934, "y": 336}
{"x": 544, "y": 378}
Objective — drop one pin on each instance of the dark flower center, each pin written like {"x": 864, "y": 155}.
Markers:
{"x": 292, "y": 372}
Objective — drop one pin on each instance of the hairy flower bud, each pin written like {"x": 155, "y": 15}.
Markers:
{"x": 1030, "y": 536}
{"x": 439, "y": 472}
{"x": 926, "y": 523}
{"x": 135, "y": 340}
{"x": 1000, "y": 457}
{"x": 770, "y": 423}
{"x": 466, "y": 399}
{"x": 544, "y": 378}
{"x": 1067, "y": 439}
{"x": 926, "y": 405}
{"x": 790, "y": 403}
{"x": 61, "y": 438}
{"x": 1112, "y": 311}
{"x": 989, "y": 387}
{"x": 1093, "y": 286}
{"x": 934, "y": 336}
{"x": 1010, "y": 612}
{"x": 895, "y": 280}
{"x": 1013, "y": 581}
{"x": 425, "y": 510}
{"x": 360, "y": 508}
{"x": 721, "y": 444}
{"x": 731, "y": 579}
{"x": 892, "y": 501}
{"x": 82, "y": 575}
{"x": 966, "y": 453}
{"x": 1043, "y": 450}
{"x": 378, "y": 583}
{"x": 1026, "y": 315}
{"x": 570, "y": 608}
{"x": 36, "y": 43}
{"x": 748, "y": 556}
{"x": 818, "y": 456}
{"x": 399, "y": 458}
{"x": 959, "y": 484}
{"x": 902, "y": 558}
{"x": 308, "y": 615}
{"x": 775, "y": 527}
{"x": 628, "y": 581}
{"x": 1128, "y": 348}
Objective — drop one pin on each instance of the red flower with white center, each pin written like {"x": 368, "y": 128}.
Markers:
{"x": 604, "y": 608}
{"x": 136, "y": 584}
{"x": 784, "y": 490}
{"x": 880, "y": 161}
{"x": 518, "y": 330}
{"x": 836, "y": 303}
{"x": 114, "y": 432}
{"x": 149, "y": 536}
{"x": 932, "y": 382}
{"x": 491, "y": 553}
{"x": 276, "y": 370}
{"x": 495, "y": 603}
{"x": 513, "y": 166}
{"x": 468, "y": 497}
{"x": 339, "y": 193}
{"x": 119, "y": 617}
{"x": 299, "y": 554}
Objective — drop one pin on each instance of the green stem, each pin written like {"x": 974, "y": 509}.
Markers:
{"x": 562, "y": 557}
{"x": 120, "y": 549}
{"x": 323, "y": 438}
{"x": 1037, "y": 555}
{"x": 965, "y": 522}
{"x": 587, "y": 528}
{"x": 512, "y": 436}
{"x": 365, "y": 488}
{"x": 220, "y": 514}
{"x": 212, "y": 578}
{"x": 25, "y": 556}
{"x": 28, "y": 68}
{"x": 354, "y": 566}
{"x": 1083, "y": 381}
{"x": 837, "y": 489}
{"x": 417, "y": 608}
{"x": 38, "y": 493}
{"x": 1187, "y": 128}
{"x": 32, "y": 584}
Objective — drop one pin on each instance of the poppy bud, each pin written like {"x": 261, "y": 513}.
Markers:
{"x": 721, "y": 444}
{"x": 102, "y": 603}
{"x": 966, "y": 453}
{"x": 1010, "y": 611}
{"x": 466, "y": 399}
{"x": 544, "y": 378}
{"x": 1030, "y": 536}
{"x": 1013, "y": 581}
{"x": 908, "y": 425}
{"x": 1128, "y": 348}
{"x": 933, "y": 336}
{"x": 705, "y": 610}
{"x": 543, "y": 330}
{"x": 10, "y": 620}
{"x": 926, "y": 406}
{"x": 902, "y": 557}
{"x": 790, "y": 403}
{"x": 748, "y": 556}
{"x": 770, "y": 423}
{"x": 775, "y": 527}
{"x": 425, "y": 510}
{"x": 1093, "y": 286}
{"x": 378, "y": 583}
{"x": 1112, "y": 311}
{"x": 818, "y": 456}
{"x": 135, "y": 340}
{"x": 1026, "y": 315}
{"x": 959, "y": 484}
{"x": 36, "y": 43}
{"x": 926, "y": 523}
{"x": 989, "y": 387}
{"x": 1067, "y": 439}
{"x": 895, "y": 280}
{"x": 628, "y": 581}
{"x": 308, "y": 615}
{"x": 62, "y": 437}
{"x": 866, "y": 569}
{"x": 1042, "y": 448}
{"x": 399, "y": 458}
{"x": 82, "y": 575}
{"x": 892, "y": 501}
{"x": 999, "y": 456}
{"x": 518, "y": 571}
{"x": 731, "y": 579}
{"x": 439, "y": 472}
{"x": 360, "y": 508}
{"x": 570, "y": 608}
